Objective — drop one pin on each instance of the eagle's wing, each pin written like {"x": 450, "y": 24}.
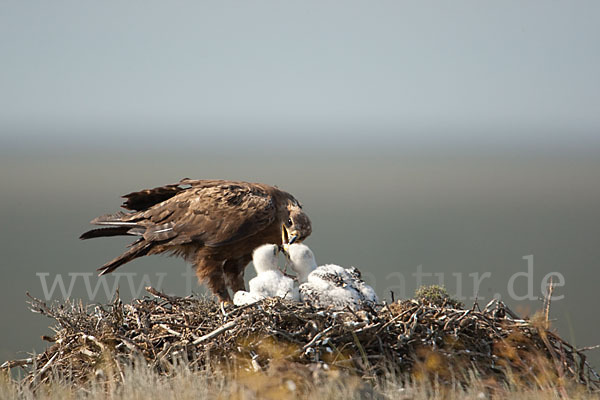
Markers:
{"x": 146, "y": 198}
{"x": 214, "y": 215}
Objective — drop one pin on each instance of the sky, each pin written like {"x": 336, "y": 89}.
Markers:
{"x": 427, "y": 73}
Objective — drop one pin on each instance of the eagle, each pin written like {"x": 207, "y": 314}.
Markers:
{"x": 213, "y": 224}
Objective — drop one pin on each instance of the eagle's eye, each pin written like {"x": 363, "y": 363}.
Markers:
{"x": 289, "y": 221}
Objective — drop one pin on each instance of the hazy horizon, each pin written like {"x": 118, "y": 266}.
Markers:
{"x": 386, "y": 215}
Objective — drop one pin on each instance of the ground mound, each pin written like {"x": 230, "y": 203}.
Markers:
{"x": 431, "y": 337}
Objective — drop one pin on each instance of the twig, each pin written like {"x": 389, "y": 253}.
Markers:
{"x": 547, "y": 300}
{"x": 16, "y": 363}
{"x": 45, "y": 367}
{"x": 315, "y": 338}
{"x": 216, "y": 332}
{"x": 587, "y": 348}
{"x": 171, "y": 331}
{"x": 161, "y": 295}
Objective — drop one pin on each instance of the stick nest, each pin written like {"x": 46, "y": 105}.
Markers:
{"x": 416, "y": 338}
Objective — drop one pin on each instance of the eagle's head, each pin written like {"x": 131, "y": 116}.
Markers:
{"x": 297, "y": 226}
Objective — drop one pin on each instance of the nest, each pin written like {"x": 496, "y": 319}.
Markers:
{"x": 414, "y": 338}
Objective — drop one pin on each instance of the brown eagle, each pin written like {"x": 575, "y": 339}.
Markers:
{"x": 214, "y": 224}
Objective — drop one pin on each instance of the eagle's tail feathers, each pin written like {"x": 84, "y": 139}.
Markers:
{"x": 139, "y": 249}
{"x": 102, "y": 232}
{"x": 136, "y": 231}
{"x": 120, "y": 219}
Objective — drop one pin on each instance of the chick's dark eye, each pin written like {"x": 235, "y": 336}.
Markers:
{"x": 289, "y": 221}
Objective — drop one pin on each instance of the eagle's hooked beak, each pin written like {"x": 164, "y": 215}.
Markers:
{"x": 284, "y": 234}
{"x": 288, "y": 237}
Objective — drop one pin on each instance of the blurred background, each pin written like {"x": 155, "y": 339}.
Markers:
{"x": 441, "y": 142}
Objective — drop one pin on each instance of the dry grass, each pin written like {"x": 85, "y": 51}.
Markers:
{"x": 276, "y": 382}
{"x": 172, "y": 347}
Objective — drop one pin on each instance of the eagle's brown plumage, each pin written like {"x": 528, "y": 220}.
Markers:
{"x": 214, "y": 224}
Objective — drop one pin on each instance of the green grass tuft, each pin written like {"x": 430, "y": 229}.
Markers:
{"x": 436, "y": 295}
